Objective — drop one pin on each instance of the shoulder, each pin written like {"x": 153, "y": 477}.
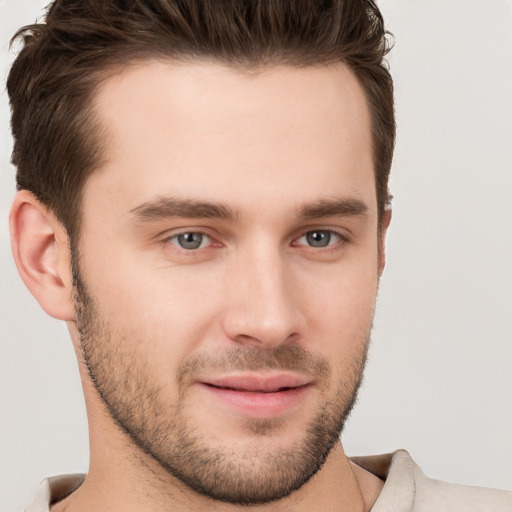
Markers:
{"x": 435, "y": 495}
{"x": 407, "y": 489}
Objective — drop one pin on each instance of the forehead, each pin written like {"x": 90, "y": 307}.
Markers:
{"x": 205, "y": 129}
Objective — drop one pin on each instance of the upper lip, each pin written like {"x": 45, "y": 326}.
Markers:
{"x": 254, "y": 382}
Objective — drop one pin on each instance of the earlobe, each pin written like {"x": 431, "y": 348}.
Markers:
{"x": 40, "y": 248}
{"x": 384, "y": 225}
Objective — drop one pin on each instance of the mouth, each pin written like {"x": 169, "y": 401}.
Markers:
{"x": 243, "y": 390}
{"x": 254, "y": 383}
{"x": 258, "y": 395}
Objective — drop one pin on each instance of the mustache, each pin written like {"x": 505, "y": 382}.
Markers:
{"x": 285, "y": 357}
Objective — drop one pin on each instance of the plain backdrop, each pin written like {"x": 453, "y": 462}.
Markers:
{"x": 439, "y": 380}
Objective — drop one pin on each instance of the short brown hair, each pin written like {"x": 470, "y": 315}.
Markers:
{"x": 57, "y": 140}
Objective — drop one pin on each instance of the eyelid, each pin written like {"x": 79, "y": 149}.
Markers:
{"x": 206, "y": 239}
{"x": 169, "y": 237}
{"x": 337, "y": 233}
{"x": 177, "y": 231}
{"x": 340, "y": 237}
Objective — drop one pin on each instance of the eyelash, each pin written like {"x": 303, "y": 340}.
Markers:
{"x": 177, "y": 235}
{"x": 329, "y": 232}
{"x": 339, "y": 239}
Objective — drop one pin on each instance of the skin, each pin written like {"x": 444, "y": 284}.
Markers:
{"x": 268, "y": 146}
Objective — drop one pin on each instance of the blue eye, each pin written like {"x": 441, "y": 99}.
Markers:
{"x": 319, "y": 238}
{"x": 190, "y": 241}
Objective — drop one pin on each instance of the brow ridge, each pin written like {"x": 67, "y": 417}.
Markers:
{"x": 169, "y": 207}
{"x": 166, "y": 207}
{"x": 339, "y": 207}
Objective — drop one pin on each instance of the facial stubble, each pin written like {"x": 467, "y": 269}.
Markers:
{"x": 123, "y": 379}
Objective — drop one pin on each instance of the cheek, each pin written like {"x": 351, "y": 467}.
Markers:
{"x": 157, "y": 308}
{"x": 340, "y": 307}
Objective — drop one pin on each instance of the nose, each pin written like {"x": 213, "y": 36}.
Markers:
{"x": 262, "y": 301}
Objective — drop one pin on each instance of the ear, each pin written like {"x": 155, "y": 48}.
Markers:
{"x": 41, "y": 251}
{"x": 384, "y": 225}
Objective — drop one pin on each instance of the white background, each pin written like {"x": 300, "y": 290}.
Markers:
{"x": 439, "y": 382}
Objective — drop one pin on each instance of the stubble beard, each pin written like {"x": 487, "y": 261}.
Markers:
{"x": 123, "y": 380}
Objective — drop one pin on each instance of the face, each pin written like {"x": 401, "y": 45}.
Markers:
{"x": 227, "y": 269}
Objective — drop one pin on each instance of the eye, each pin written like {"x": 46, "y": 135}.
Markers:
{"x": 319, "y": 238}
{"x": 190, "y": 241}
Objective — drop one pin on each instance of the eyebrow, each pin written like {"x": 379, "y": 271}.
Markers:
{"x": 345, "y": 207}
{"x": 165, "y": 208}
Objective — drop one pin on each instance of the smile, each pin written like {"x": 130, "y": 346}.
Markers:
{"x": 253, "y": 390}
{"x": 258, "y": 396}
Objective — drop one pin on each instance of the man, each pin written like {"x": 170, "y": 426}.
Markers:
{"x": 203, "y": 199}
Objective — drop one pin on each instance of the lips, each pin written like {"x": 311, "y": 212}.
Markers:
{"x": 258, "y": 384}
{"x": 258, "y": 396}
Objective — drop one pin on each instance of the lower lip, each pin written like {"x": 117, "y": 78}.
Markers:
{"x": 256, "y": 404}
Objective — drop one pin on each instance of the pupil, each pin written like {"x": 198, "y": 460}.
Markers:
{"x": 318, "y": 238}
{"x": 190, "y": 240}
